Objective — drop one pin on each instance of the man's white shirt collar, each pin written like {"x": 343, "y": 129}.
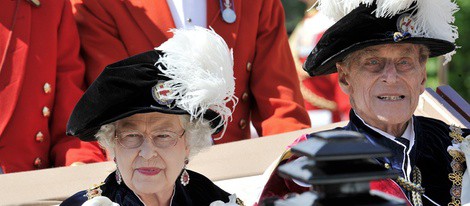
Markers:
{"x": 408, "y": 134}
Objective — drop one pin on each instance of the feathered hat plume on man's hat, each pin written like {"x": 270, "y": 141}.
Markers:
{"x": 191, "y": 73}
{"x": 363, "y": 23}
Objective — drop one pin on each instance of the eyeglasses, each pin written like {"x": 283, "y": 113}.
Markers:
{"x": 161, "y": 139}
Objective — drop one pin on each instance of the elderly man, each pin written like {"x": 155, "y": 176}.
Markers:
{"x": 381, "y": 63}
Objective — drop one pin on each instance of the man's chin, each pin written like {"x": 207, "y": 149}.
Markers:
{"x": 393, "y": 119}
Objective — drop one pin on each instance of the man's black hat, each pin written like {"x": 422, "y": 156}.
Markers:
{"x": 361, "y": 28}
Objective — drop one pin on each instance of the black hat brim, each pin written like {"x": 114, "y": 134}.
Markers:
{"x": 436, "y": 47}
{"x": 360, "y": 29}
{"x": 87, "y": 133}
{"x": 122, "y": 90}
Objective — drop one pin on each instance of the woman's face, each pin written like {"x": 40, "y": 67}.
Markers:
{"x": 153, "y": 166}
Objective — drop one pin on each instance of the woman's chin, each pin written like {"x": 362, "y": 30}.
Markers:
{"x": 146, "y": 188}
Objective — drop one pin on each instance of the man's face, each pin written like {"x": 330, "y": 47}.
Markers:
{"x": 384, "y": 83}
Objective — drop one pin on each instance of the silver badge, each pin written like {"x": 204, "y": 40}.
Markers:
{"x": 229, "y": 15}
{"x": 160, "y": 94}
{"x": 406, "y": 23}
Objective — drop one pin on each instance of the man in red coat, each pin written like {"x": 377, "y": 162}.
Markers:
{"x": 266, "y": 80}
{"x": 323, "y": 96}
{"x": 41, "y": 79}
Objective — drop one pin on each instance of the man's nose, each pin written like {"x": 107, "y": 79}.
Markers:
{"x": 390, "y": 73}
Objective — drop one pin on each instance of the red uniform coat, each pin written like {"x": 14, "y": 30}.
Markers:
{"x": 41, "y": 79}
{"x": 266, "y": 80}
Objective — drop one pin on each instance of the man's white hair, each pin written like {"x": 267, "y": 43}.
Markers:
{"x": 198, "y": 134}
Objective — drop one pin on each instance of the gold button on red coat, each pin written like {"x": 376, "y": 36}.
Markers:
{"x": 40, "y": 137}
{"x": 46, "y": 112}
{"x": 47, "y": 88}
{"x": 242, "y": 124}
{"x": 37, "y": 162}
{"x": 245, "y": 96}
{"x": 248, "y": 66}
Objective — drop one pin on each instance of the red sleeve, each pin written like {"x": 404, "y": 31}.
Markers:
{"x": 279, "y": 105}
{"x": 70, "y": 73}
{"x": 278, "y": 186}
{"x": 99, "y": 37}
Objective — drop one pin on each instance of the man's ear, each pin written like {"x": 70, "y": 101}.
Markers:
{"x": 343, "y": 78}
{"x": 422, "y": 85}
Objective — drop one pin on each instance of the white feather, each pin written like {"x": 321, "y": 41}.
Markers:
{"x": 337, "y": 9}
{"x": 389, "y": 8}
{"x": 435, "y": 18}
{"x": 200, "y": 66}
{"x": 331, "y": 8}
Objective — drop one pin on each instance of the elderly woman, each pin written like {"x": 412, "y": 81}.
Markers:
{"x": 152, "y": 112}
{"x": 380, "y": 51}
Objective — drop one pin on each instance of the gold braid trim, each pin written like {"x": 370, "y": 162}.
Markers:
{"x": 414, "y": 187}
{"x": 316, "y": 100}
{"x": 457, "y": 166}
{"x": 416, "y": 195}
{"x": 308, "y": 95}
{"x": 94, "y": 191}
{"x": 239, "y": 202}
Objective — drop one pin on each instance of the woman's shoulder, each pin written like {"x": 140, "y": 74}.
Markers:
{"x": 105, "y": 188}
{"x": 202, "y": 191}
{"x": 201, "y": 185}
{"x": 76, "y": 200}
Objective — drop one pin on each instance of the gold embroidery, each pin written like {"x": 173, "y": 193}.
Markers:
{"x": 456, "y": 133}
{"x": 457, "y": 156}
{"x": 457, "y": 166}
{"x": 456, "y": 178}
{"x": 94, "y": 191}
{"x": 239, "y": 202}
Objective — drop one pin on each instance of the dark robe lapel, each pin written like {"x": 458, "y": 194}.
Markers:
{"x": 396, "y": 159}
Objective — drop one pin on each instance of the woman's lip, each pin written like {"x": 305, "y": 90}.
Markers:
{"x": 150, "y": 171}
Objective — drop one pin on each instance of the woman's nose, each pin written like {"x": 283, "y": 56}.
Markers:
{"x": 147, "y": 149}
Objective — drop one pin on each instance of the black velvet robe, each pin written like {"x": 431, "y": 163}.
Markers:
{"x": 429, "y": 154}
{"x": 200, "y": 191}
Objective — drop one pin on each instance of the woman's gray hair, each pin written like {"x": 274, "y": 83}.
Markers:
{"x": 198, "y": 135}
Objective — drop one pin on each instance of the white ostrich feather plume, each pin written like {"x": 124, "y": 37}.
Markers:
{"x": 200, "y": 66}
{"x": 389, "y": 8}
{"x": 434, "y": 18}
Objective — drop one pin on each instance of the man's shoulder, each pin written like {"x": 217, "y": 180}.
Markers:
{"x": 431, "y": 124}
